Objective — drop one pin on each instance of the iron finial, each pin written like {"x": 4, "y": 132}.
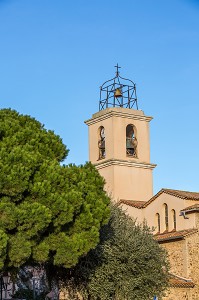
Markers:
{"x": 117, "y": 70}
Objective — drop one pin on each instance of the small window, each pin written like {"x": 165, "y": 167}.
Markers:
{"x": 166, "y": 216}
{"x": 158, "y": 222}
{"x": 174, "y": 218}
{"x": 101, "y": 142}
{"x": 131, "y": 141}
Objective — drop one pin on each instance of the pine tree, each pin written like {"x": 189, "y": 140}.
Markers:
{"x": 50, "y": 213}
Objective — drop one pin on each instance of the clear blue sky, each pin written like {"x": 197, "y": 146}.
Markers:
{"x": 54, "y": 55}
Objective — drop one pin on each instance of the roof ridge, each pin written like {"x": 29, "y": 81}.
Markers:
{"x": 176, "y": 193}
{"x": 176, "y": 190}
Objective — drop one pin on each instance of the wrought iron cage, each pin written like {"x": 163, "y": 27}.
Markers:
{"x": 118, "y": 92}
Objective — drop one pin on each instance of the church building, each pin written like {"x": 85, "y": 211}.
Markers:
{"x": 119, "y": 147}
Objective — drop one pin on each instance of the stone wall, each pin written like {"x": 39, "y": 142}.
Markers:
{"x": 184, "y": 261}
{"x": 193, "y": 261}
{"x": 197, "y": 220}
{"x": 177, "y": 253}
{"x": 179, "y": 294}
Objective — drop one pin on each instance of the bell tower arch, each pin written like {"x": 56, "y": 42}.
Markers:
{"x": 119, "y": 144}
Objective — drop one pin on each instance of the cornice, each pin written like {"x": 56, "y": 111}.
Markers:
{"x": 98, "y": 117}
{"x": 120, "y": 162}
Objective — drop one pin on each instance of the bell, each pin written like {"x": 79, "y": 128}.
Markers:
{"x": 117, "y": 93}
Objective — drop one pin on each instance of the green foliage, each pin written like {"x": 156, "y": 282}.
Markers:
{"x": 49, "y": 213}
{"x": 126, "y": 264}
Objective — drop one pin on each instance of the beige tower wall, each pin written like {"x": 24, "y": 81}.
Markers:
{"x": 125, "y": 181}
{"x": 126, "y": 177}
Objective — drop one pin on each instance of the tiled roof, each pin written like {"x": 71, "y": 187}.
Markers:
{"x": 183, "y": 194}
{"x": 173, "y": 235}
{"x": 177, "y": 281}
{"x": 191, "y": 208}
{"x": 133, "y": 203}
{"x": 180, "y": 194}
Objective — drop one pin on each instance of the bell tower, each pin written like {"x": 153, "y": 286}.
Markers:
{"x": 119, "y": 143}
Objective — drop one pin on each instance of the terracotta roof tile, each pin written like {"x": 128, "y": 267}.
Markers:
{"x": 177, "y": 193}
{"x": 177, "y": 281}
{"x": 183, "y": 194}
{"x": 191, "y": 208}
{"x": 173, "y": 235}
{"x": 133, "y": 203}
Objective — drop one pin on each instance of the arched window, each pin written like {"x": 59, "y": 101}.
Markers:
{"x": 166, "y": 216}
{"x": 131, "y": 141}
{"x": 101, "y": 142}
{"x": 174, "y": 218}
{"x": 158, "y": 222}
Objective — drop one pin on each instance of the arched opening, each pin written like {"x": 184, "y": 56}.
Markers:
{"x": 101, "y": 142}
{"x": 174, "y": 218}
{"x": 166, "y": 216}
{"x": 131, "y": 141}
{"x": 158, "y": 222}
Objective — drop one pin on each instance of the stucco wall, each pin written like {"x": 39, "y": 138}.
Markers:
{"x": 157, "y": 206}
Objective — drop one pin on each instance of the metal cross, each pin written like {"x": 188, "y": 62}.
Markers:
{"x": 117, "y": 70}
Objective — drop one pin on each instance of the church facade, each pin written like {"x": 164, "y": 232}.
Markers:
{"x": 119, "y": 147}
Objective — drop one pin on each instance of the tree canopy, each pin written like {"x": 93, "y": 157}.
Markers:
{"x": 49, "y": 212}
{"x": 126, "y": 264}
